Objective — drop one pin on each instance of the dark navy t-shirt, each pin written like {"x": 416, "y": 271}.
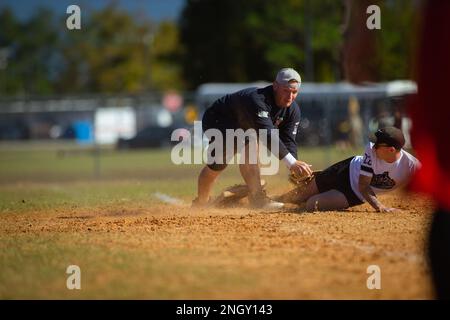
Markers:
{"x": 256, "y": 108}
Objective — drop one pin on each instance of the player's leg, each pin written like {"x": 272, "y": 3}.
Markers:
{"x": 335, "y": 190}
{"x": 326, "y": 180}
{"x": 335, "y": 178}
{"x": 209, "y": 175}
{"x": 299, "y": 194}
{"x": 217, "y": 162}
{"x": 250, "y": 170}
{"x": 206, "y": 181}
{"x": 327, "y": 201}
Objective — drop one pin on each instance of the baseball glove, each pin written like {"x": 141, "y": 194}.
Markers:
{"x": 303, "y": 180}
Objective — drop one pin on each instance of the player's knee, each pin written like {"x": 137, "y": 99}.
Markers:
{"x": 248, "y": 167}
{"x": 217, "y": 166}
{"x": 312, "y": 204}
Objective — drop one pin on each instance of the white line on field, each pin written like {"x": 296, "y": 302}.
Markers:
{"x": 167, "y": 199}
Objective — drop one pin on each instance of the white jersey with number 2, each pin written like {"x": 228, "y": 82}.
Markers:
{"x": 385, "y": 176}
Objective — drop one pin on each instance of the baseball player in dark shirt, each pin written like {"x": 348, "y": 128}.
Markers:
{"x": 272, "y": 107}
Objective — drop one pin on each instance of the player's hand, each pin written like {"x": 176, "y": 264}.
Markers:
{"x": 300, "y": 169}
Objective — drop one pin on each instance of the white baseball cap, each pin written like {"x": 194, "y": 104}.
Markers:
{"x": 286, "y": 76}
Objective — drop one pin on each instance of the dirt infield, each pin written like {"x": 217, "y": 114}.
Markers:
{"x": 175, "y": 252}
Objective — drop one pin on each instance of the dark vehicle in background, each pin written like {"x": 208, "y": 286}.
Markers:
{"x": 152, "y": 137}
{"x": 16, "y": 130}
{"x": 157, "y": 130}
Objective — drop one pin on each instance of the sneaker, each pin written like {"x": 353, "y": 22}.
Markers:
{"x": 262, "y": 201}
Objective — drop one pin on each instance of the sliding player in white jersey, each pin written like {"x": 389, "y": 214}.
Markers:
{"x": 384, "y": 167}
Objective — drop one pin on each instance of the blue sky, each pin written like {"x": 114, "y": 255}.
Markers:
{"x": 156, "y": 10}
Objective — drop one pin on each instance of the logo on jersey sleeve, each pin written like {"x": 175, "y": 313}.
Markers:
{"x": 367, "y": 160}
{"x": 382, "y": 181}
{"x": 295, "y": 128}
{"x": 263, "y": 114}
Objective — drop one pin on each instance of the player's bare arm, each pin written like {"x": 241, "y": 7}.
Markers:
{"x": 369, "y": 195}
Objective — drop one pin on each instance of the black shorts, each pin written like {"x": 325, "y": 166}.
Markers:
{"x": 212, "y": 121}
{"x": 337, "y": 177}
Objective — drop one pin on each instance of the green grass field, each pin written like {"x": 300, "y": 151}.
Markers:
{"x": 63, "y": 175}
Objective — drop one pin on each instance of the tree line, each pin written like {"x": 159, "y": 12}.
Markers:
{"x": 212, "y": 41}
